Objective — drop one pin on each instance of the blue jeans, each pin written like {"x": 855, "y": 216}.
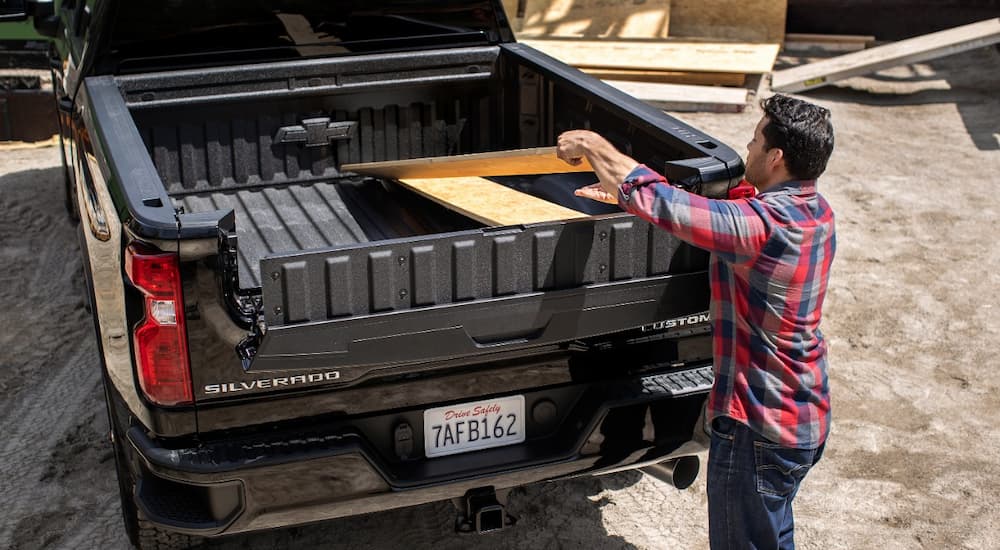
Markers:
{"x": 751, "y": 484}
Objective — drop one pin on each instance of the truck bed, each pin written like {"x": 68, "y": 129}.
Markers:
{"x": 325, "y": 214}
{"x": 346, "y": 271}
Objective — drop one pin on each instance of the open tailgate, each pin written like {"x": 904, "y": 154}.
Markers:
{"x": 466, "y": 293}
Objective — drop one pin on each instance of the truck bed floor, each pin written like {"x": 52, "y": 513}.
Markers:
{"x": 298, "y": 217}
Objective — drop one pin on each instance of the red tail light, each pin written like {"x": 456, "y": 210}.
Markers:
{"x": 745, "y": 190}
{"x": 160, "y": 340}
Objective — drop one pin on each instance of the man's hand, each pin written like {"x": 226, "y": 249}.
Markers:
{"x": 609, "y": 164}
{"x": 594, "y": 192}
{"x": 572, "y": 146}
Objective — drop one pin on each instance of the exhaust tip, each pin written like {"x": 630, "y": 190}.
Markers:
{"x": 679, "y": 472}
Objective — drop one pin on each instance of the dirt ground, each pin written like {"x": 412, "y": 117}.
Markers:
{"x": 912, "y": 318}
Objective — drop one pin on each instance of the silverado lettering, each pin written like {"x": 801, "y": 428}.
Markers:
{"x": 272, "y": 382}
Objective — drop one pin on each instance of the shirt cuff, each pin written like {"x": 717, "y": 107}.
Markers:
{"x": 639, "y": 176}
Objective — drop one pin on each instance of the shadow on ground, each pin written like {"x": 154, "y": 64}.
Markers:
{"x": 968, "y": 79}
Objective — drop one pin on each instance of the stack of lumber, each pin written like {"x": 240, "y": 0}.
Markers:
{"x": 659, "y": 43}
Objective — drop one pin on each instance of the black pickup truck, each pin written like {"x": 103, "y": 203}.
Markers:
{"x": 283, "y": 341}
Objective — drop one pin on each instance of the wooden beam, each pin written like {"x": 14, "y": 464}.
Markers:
{"x": 489, "y": 202}
{"x": 669, "y": 77}
{"x": 679, "y": 97}
{"x": 829, "y": 38}
{"x": 722, "y": 57}
{"x": 743, "y": 20}
{"x": 798, "y": 42}
{"x": 912, "y": 50}
{"x": 518, "y": 162}
{"x": 592, "y": 18}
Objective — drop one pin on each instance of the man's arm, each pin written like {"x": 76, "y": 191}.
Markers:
{"x": 734, "y": 230}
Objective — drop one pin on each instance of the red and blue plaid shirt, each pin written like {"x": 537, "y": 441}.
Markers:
{"x": 770, "y": 264}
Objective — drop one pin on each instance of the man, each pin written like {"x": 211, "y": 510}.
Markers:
{"x": 769, "y": 408}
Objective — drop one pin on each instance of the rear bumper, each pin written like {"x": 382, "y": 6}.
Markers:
{"x": 294, "y": 477}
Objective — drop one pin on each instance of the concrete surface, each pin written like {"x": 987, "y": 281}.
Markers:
{"x": 912, "y": 318}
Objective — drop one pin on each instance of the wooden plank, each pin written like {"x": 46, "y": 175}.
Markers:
{"x": 489, "y": 202}
{"x": 722, "y": 57}
{"x": 518, "y": 162}
{"x": 912, "y": 50}
{"x": 679, "y": 97}
{"x": 743, "y": 20}
{"x": 16, "y": 145}
{"x": 669, "y": 77}
{"x": 834, "y": 38}
{"x": 592, "y": 18}
{"x": 826, "y": 42}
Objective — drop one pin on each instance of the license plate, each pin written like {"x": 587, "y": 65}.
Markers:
{"x": 474, "y": 426}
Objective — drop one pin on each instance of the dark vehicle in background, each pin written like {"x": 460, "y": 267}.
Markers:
{"x": 285, "y": 342}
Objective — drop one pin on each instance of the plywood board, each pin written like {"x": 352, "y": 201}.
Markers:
{"x": 668, "y": 77}
{"x": 591, "y": 18}
{"x": 744, "y": 20}
{"x": 489, "y": 202}
{"x": 517, "y": 162}
{"x": 729, "y": 57}
{"x": 680, "y": 97}
{"x": 912, "y": 50}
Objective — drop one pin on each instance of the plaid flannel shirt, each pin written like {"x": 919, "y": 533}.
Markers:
{"x": 770, "y": 264}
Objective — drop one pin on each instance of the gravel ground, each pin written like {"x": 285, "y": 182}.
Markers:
{"x": 912, "y": 313}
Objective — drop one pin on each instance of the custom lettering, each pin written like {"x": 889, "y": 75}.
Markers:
{"x": 679, "y": 322}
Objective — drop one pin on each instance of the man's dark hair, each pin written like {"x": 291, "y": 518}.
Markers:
{"x": 802, "y": 131}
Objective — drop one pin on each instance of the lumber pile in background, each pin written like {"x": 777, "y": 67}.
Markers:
{"x": 795, "y": 42}
{"x": 736, "y": 20}
{"x": 911, "y": 50}
{"x": 590, "y": 19}
{"x": 739, "y": 20}
{"x": 660, "y": 44}
{"x": 691, "y": 57}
